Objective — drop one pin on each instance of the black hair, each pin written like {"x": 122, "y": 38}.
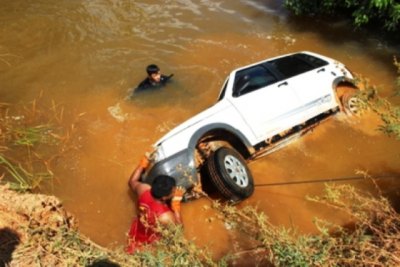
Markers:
{"x": 162, "y": 186}
{"x": 151, "y": 69}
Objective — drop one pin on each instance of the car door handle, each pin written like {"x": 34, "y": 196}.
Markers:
{"x": 321, "y": 70}
{"x": 284, "y": 83}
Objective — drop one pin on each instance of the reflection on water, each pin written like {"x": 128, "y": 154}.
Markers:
{"x": 86, "y": 55}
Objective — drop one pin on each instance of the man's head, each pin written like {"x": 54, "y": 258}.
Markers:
{"x": 163, "y": 187}
{"x": 154, "y": 72}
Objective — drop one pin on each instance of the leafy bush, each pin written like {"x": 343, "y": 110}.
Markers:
{"x": 385, "y": 12}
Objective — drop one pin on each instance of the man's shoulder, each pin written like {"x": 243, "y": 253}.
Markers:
{"x": 146, "y": 84}
{"x": 142, "y": 188}
{"x": 167, "y": 217}
{"x": 143, "y": 85}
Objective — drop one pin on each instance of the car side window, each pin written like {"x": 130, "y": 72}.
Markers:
{"x": 291, "y": 66}
{"x": 251, "y": 79}
{"x": 316, "y": 62}
{"x": 296, "y": 64}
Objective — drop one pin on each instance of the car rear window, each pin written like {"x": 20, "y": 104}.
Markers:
{"x": 251, "y": 79}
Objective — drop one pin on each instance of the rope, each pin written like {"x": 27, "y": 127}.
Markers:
{"x": 326, "y": 180}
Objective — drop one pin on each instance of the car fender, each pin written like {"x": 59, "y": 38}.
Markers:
{"x": 181, "y": 165}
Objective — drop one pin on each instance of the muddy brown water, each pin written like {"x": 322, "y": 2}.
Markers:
{"x": 85, "y": 55}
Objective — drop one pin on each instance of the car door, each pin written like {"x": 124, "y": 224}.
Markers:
{"x": 311, "y": 80}
{"x": 265, "y": 102}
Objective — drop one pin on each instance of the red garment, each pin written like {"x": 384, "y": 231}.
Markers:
{"x": 142, "y": 227}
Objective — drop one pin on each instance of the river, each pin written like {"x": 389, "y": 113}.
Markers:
{"x": 87, "y": 55}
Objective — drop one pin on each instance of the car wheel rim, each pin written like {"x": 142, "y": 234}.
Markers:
{"x": 353, "y": 105}
{"x": 236, "y": 171}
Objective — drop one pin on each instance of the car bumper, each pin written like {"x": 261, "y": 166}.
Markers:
{"x": 180, "y": 166}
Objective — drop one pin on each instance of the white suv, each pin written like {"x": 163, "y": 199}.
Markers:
{"x": 260, "y": 107}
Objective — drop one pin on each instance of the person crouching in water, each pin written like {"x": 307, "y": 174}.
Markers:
{"x": 153, "y": 207}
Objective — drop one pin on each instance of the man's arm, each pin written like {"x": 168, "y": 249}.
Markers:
{"x": 165, "y": 78}
{"x": 174, "y": 216}
{"x": 134, "y": 181}
{"x": 176, "y": 203}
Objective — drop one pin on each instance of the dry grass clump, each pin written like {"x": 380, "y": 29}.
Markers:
{"x": 389, "y": 114}
{"x": 43, "y": 233}
{"x": 372, "y": 240}
{"x": 173, "y": 249}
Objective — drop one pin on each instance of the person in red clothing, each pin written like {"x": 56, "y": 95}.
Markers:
{"x": 153, "y": 206}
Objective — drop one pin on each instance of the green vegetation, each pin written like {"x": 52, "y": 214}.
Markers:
{"x": 385, "y": 13}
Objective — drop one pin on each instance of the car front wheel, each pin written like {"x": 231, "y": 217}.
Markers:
{"x": 229, "y": 173}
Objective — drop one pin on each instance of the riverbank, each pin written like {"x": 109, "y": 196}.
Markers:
{"x": 36, "y": 230}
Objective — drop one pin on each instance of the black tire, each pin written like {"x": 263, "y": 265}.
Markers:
{"x": 229, "y": 173}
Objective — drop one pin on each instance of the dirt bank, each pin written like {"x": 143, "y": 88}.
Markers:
{"x": 35, "y": 230}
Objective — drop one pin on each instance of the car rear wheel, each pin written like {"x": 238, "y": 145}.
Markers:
{"x": 347, "y": 95}
{"x": 229, "y": 173}
{"x": 351, "y": 103}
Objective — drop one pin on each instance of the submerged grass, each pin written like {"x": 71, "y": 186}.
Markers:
{"x": 18, "y": 174}
{"x": 34, "y": 136}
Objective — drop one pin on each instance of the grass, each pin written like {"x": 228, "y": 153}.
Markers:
{"x": 30, "y": 138}
{"x": 388, "y": 113}
{"x": 51, "y": 238}
{"x": 372, "y": 240}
